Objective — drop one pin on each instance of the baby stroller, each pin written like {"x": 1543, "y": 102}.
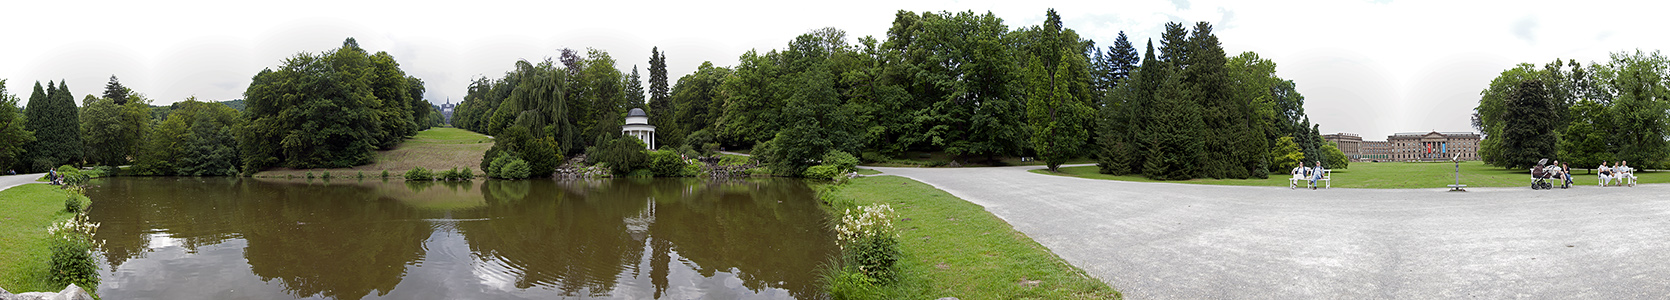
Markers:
{"x": 1540, "y": 175}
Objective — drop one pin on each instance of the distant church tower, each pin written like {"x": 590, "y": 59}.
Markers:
{"x": 637, "y": 125}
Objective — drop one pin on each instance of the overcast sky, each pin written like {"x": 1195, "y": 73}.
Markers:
{"x": 1367, "y": 67}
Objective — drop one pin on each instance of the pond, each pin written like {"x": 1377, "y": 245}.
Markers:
{"x": 230, "y": 238}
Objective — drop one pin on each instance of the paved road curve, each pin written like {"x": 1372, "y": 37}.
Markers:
{"x": 1179, "y": 241}
{"x": 10, "y": 181}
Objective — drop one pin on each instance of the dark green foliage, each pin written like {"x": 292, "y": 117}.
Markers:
{"x": 1172, "y": 144}
{"x": 197, "y": 139}
{"x": 55, "y": 120}
{"x": 114, "y": 91}
{"x": 660, "y": 109}
{"x": 1583, "y": 142}
{"x": 1333, "y": 158}
{"x": 821, "y": 125}
{"x": 1528, "y": 124}
{"x": 466, "y": 174}
{"x": 539, "y": 153}
{"x": 415, "y": 174}
{"x": 841, "y": 160}
{"x": 822, "y": 172}
{"x": 622, "y": 155}
{"x": 514, "y": 169}
{"x": 326, "y": 110}
{"x": 13, "y": 136}
{"x": 114, "y": 132}
{"x": 501, "y": 167}
{"x": 666, "y": 163}
{"x": 696, "y": 102}
{"x": 1055, "y": 109}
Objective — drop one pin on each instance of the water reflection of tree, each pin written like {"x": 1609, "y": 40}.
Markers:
{"x": 765, "y": 230}
{"x": 336, "y": 241}
{"x": 566, "y": 239}
{"x": 584, "y": 235}
{"x": 191, "y": 210}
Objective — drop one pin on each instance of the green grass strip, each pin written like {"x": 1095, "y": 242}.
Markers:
{"x": 954, "y": 248}
{"x": 25, "y": 212}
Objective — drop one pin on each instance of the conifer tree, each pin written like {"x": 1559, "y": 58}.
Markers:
{"x": 660, "y": 106}
{"x": 115, "y": 91}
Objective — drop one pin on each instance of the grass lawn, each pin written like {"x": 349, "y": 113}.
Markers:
{"x": 434, "y": 149}
{"x": 1391, "y": 175}
{"x": 25, "y": 212}
{"x": 954, "y": 248}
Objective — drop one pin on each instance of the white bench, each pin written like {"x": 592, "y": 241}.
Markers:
{"x": 1327, "y": 180}
{"x": 1624, "y": 175}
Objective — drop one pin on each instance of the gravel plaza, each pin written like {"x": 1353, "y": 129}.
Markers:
{"x": 1187, "y": 241}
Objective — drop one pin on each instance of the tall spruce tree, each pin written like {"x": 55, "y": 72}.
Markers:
{"x": 115, "y": 91}
{"x": 1123, "y": 58}
{"x": 660, "y": 105}
{"x": 634, "y": 90}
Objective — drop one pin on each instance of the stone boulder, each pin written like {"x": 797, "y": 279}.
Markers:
{"x": 71, "y": 292}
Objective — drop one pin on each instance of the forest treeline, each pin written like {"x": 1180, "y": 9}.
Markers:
{"x": 1617, "y": 110}
{"x": 316, "y": 110}
{"x": 958, "y": 83}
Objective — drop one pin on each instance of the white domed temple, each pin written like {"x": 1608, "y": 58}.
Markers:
{"x": 637, "y": 125}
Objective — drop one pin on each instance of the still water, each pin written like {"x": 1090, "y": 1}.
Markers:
{"x": 228, "y": 238}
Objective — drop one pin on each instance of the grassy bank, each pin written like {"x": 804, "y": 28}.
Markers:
{"x": 1390, "y": 175}
{"x": 434, "y": 149}
{"x": 953, "y": 248}
{"x": 25, "y": 212}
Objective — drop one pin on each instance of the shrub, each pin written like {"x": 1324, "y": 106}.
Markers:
{"x": 868, "y": 241}
{"x": 822, "y": 172}
{"x": 666, "y": 163}
{"x": 455, "y": 174}
{"x": 623, "y": 155}
{"x": 515, "y": 169}
{"x": 309, "y": 174}
{"x": 327, "y": 175}
{"x": 72, "y": 252}
{"x": 72, "y": 176}
{"x": 360, "y": 174}
{"x": 385, "y": 173}
{"x": 641, "y": 173}
{"x": 841, "y": 160}
{"x": 692, "y": 169}
{"x": 419, "y": 173}
{"x": 71, "y": 205}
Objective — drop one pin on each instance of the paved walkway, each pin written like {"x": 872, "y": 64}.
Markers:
{"x": 1181, "y": 241}
{"x": 9, "y": 181}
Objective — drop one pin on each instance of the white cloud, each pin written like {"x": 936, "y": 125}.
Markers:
{"x": 1368, "y": 67}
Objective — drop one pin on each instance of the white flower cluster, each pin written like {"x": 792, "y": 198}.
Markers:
{"x": 77, "y": 227}
{"x": 869, "y": 221}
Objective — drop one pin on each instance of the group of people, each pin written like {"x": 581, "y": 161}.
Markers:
{"x": 1561, "y": 171}
{"x": 1620, "y": 171}
{"x": 1313, "y": 173}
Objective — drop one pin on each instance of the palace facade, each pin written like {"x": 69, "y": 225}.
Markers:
{"x": 1409, "y": 146}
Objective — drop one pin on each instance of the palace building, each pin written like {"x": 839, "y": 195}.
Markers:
{"x": 1409, "y": 146}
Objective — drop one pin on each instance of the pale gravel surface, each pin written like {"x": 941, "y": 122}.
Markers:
{"x": 1184, "y": 241}
{"x": 9, "y": 181}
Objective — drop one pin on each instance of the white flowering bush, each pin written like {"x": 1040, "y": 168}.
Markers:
{"x": 868, "y": 240}
{"x": 72, "y": 252}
